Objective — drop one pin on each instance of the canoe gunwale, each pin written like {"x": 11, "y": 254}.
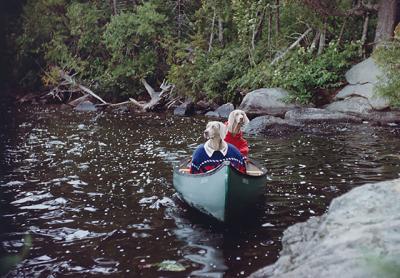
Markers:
{"x": 222, "y": 165}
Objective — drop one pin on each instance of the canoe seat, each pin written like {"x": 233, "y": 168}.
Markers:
{"x": 184, "y": 170}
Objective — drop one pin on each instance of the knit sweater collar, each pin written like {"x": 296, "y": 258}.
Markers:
{"x": 210, "y": 151}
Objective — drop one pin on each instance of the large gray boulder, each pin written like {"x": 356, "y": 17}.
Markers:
{"x": 270, "y": 125}
{"x": 354, "y": 239}
{"x": 362, "y": 79}
{"x": 221, "y": 112}
{"x": 317, "y": 115}
{"x": 224, "y": 110}
{"x": 367, "y": 91}
{"x": 353, "y": 105}
{"x": 365, "y": 72}
{"x": 269, "y": 101}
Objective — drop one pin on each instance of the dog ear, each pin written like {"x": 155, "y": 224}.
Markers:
{"x": 231, "y": 120}
{"x": 246, "y": 120}
{"x": 222, "y": 130}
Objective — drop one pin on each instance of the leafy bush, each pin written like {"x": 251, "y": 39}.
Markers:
{"x": 132, "y": 39}
{"x": 42, "y": 19}
{"x": 214, "y": 74}
{"x": 388, "y": 57}
{"x": 304, "y": 74}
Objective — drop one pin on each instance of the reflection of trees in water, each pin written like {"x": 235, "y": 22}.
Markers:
{"x": 199, "y": 245}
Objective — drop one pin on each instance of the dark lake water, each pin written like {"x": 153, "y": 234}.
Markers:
{"x": 94, "y": 192}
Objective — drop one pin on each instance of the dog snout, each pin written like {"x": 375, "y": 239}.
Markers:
{"x": 206, "y": 134}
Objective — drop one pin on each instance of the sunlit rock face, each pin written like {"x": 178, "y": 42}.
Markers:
{"x": 318, "y": 115}
{"x": 360, "y": 95}
{"x": 266, "y": 101}
{"x": 358, "y": 237}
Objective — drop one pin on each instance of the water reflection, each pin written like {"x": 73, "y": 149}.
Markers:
{"x": 94, "y": 191}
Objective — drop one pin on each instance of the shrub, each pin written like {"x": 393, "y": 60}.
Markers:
{"x": 304, "y": 74}
{"x": 132, "y": 39}
{"x": 388, "y": 57}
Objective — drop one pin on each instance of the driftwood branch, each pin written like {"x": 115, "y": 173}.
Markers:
{"x": 157, "y": 99}
{"x": 293, "y": 45}
{"x": 69, "y": 85}
{"x": 73, "y": 83}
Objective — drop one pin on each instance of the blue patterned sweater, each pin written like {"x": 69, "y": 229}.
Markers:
{"x": 202, "y": 163}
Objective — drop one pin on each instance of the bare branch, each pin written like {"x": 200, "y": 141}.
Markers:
{"x": 293, "y": 45}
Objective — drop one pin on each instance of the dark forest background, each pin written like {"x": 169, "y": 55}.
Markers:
{"x": 208, "y": 49}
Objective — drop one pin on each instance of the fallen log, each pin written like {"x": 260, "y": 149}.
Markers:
{"x": 157, "y": 99}
{"x": 293, "y": 45}
{"x": 73, "y": 83}
{"x": 69, "y": 85}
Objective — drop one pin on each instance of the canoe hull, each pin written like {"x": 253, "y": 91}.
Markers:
{"x": 223, "y": 193}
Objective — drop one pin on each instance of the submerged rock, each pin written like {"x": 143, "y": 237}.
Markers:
{"x": 185, "y": 109}
{"x": 79, "y": 100}
{"x": 266, "y": 102}
{"x": 317, "y": 115}
{"x": 86, "y": 106}
{"x": 384, "y": 118}
{"x": 270, "y": 124}
{"x": 212, "y": 114}
{"x": 356, "y": 237}
{"x": 203, "y": 106}
{"x": 353, "y": 105}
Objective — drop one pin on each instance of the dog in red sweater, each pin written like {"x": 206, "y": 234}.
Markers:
{"x": 236, "y": 120}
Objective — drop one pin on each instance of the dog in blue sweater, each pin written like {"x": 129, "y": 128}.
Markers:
{"x": 211, "y": 154}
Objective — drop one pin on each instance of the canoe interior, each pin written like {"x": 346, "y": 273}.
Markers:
{"x": 224, "y": 192}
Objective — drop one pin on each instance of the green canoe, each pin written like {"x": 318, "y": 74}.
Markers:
{"x": 224, "y": 193}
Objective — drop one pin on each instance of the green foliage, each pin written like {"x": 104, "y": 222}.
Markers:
{"x": 304, "y": 74}
{"x": 208, "y": 49}
{"x": 132, "y": 39}
{"x": 388, "y": 57}
{"x": 41, "y": 20}
{"x": 211, "y": 73}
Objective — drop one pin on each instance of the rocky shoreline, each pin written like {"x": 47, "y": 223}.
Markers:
{"x": 359, "y": 236}
{"x": 356, "y": 103}
{"x": 271, "y": 113}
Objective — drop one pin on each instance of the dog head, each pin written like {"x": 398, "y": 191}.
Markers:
{"x": 237, "y": 119}
{"x": 215, "y": 130}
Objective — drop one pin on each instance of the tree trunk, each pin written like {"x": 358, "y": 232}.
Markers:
{"x": 342, "y": 31}
{"x": 220, "y": 31}
{"x": 322, "y": 40}
{"x": 212, "y": 33}
{"x": 257, "y": 29}
{"x": 179, "y": 20}
{"x": 364, "y": 34}
{"x": 277, "y": 19}
{"x": 387, "y": 20}
{"x": 269, "y": 28}
{"x": 115, "y": 7}
{"x": 315, "y": 41}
